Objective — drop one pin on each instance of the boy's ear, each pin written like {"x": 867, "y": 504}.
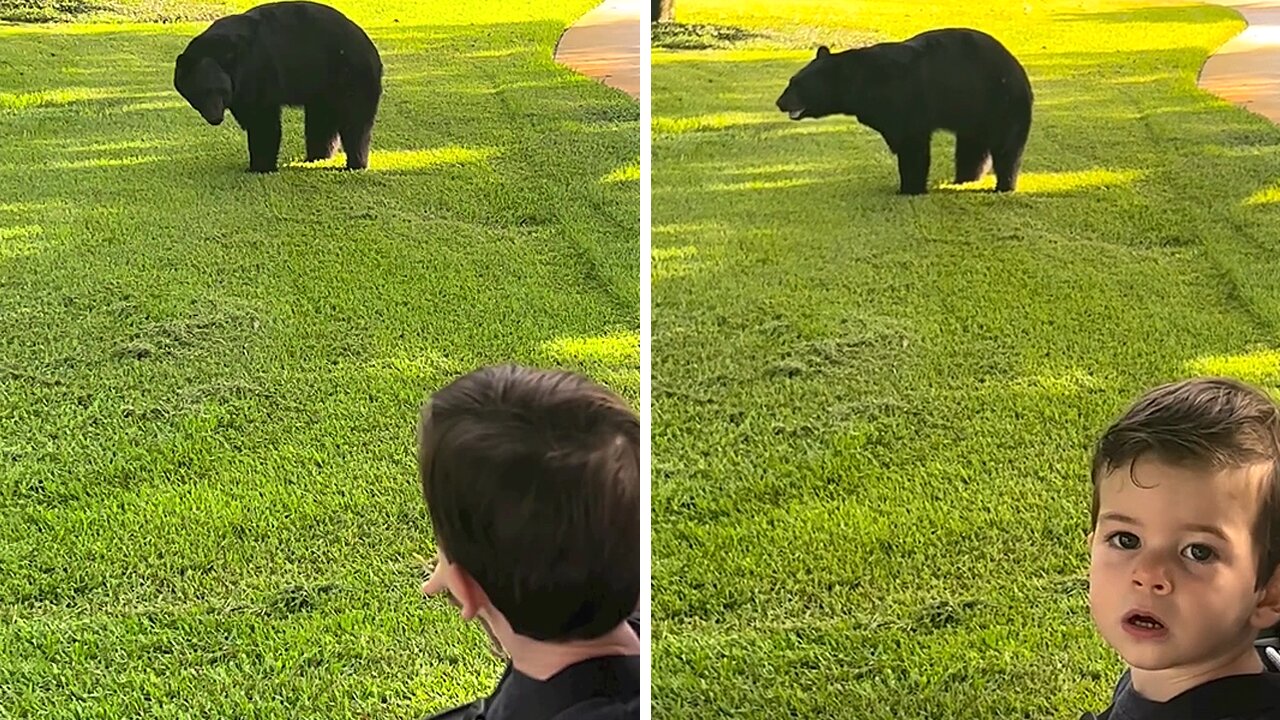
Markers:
{"x": 470, "y": 596}
{"x": 1267, "y": 614}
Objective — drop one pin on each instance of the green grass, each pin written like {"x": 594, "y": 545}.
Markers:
{"x": 872, "y": 414}
{"x": 151, "y": 11}
{"x": 209, "y": 379}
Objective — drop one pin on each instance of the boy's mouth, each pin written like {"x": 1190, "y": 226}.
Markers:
{"x": 1144, "y": 624}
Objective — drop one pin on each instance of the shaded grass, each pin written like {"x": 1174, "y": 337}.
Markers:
{"x": 209, "y": 379}
{"x": 678, "y": 36}
{"x": 709, "y": 36}
{"x": 872, "y": 415}
{"x": 61, "y": 11}
{"x": 364, "y": 12}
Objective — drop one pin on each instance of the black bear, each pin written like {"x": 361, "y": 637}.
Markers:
{"x": 299, "y": 54}
{"x": 955, "y": 79}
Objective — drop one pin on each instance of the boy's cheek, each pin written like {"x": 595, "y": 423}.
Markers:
{"x": 1105, "y": 574}
{"x": 1097, "y": 561}
{"x": 436, "y": 583}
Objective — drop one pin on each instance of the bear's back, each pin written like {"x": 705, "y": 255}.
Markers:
{"x": 293, "y": 21}
{"x": 306, "y": 36}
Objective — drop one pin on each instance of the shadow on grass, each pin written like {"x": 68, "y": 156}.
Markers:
{"x": 65, "y": 11}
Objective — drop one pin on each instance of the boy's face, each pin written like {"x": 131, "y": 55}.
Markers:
{"x": 1173, "y": 565}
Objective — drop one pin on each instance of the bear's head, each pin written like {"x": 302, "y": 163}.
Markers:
{"x": 204, "y": 84}
{"x": 204, "y": 74}
{"x": 814, "y": 91}
{"x": 846, "y": 82}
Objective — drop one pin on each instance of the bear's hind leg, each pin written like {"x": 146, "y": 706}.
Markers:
{"x": 264, "y": 140}
{"x": 356, "y": 119}
{"x": 321, "y": 131}
{"x": 972, "y": 158}
{"x": 1007, "y": 163}
{"x": 356, "y": 138}
{"x": 913, "y": 166}
{"x": 1007, "y": 157}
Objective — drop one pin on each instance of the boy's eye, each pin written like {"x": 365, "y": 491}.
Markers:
{"x": 1123, "y": 540}
{"x": 1199, "y": 553}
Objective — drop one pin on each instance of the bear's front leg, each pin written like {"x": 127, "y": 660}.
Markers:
{"x": 913, "y": 166}
{"x": 264, "y": 140}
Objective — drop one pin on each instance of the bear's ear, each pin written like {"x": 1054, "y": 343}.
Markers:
{"x": 823, "y": 51}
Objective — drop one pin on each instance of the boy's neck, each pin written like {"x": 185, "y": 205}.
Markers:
{"x": 1164, "y": 685}
{"x": 542, "y": 660}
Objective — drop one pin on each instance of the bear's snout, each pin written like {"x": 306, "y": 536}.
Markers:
{"x": 788, "y": 101}
{"x": 213, "y": 117}
{"x": 788, "y": 104}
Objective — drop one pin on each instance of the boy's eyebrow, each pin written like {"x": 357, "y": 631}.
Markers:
{"x": 1210, "y": 529}
{"x": 1196, "y": 527}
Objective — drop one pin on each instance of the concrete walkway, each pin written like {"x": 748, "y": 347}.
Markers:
{"x": 1246, "y": 70}
{"x": 605, "y": 44}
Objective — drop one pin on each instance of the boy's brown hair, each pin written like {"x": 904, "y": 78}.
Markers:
{"x": 532, "y": 481}
{"x": 1205, "y": 423}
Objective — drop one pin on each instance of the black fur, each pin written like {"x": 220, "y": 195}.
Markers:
{"x": 955, "y": 79}
{"x": 297, "y": 54}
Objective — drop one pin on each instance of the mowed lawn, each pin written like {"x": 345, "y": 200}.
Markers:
{"x": 873, "y": 414}
{"x": 209, "y": 380}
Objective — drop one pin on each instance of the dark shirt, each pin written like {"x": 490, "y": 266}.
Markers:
{"x": 602, "y": 688}
{"x": 1237, "y": 697}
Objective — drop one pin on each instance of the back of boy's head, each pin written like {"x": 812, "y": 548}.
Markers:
{"x": 1211, "y": 424}
{"x": 532, "y": 481}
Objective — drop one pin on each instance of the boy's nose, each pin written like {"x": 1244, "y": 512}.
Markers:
{"x": 1154, "y": 585}
{"x": 1151, "y": 574}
